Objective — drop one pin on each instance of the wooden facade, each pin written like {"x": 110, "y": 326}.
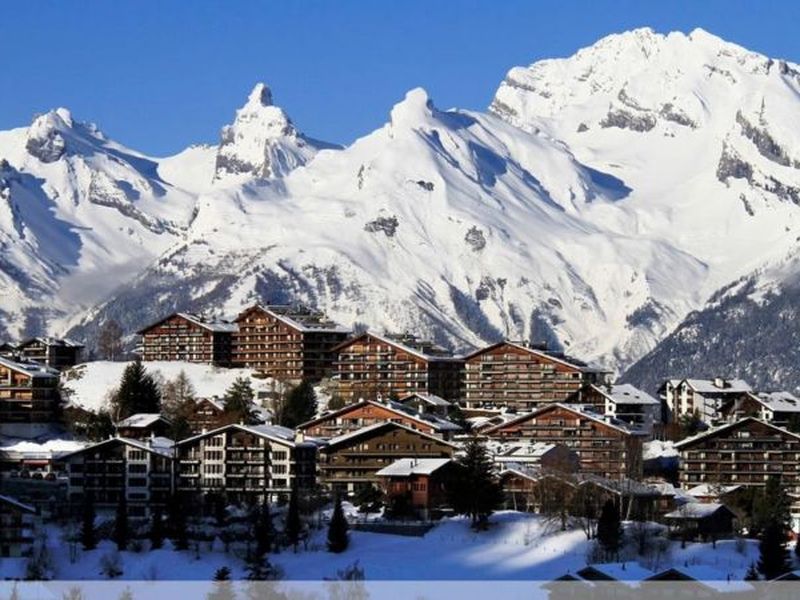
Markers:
{"x": 285, "y": 343}
{"x": 370, "y": 365}
{"x": 419, "y": 485}
{"x": 28, "y": 393}
{"x": 351, "y": 461}
{"x": 369, "y": 412}
{"x": 51, "y": 352}
{"x": 245, "y": 463}
{"x": 744, "y": 453}
{"x": 143, "y": 426}
{"x": 188, "y": 338}
{"x": 105, "y": 471}
{"x": 522, "y": 377}
{"x": 206, "y": 414}
{"x": 607, "y": 449}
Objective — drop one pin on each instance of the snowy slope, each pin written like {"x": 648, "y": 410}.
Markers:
{"x": 452, "y": 224}
{"x": 90, "y": 385}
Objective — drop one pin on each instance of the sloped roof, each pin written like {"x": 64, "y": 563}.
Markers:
{"x": 305, "y": 321}
{"x": 707, "y": 386}
{"x": 377, "y": 427}
{"x": 708, "y": 490}
{"x": 728, "y": 426}
{"x": 400, "y": 345}
{"x": 434, "y": 421}
{"x": 31, "y": 369}
{"x": 141, "y": 420}
{"x": 431, "y": 399}
{"x": 578, "y": 410}
{"x": 778, "y": 401}
{"x": 405, "y": 467}
{"x": 17, "y": 504}
{"x": 564, "y": 360}
{"x": 50, "y": 341}
{"x": 161, "y": 448}
{"x": 276, "y": 433}
{"x": 620, "y": 571}
{"x": 215, "y": 326}
{"x": 625, "y": 393}
{"x": 696, "y": 510}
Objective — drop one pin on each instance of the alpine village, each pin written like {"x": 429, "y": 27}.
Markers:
{"x": 391, "y": 431}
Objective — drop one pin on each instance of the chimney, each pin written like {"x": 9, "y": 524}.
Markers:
{"x": 299, "y": 437}
{"x": 719, "y": 382}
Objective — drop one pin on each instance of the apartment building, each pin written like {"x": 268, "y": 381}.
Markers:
{"x": 188, "y": 338}
{"x": 29, "y": 398}
{"x": 52, "y": 352}
{"x": 701, "y": 397}
{"x": 625, "y": 403}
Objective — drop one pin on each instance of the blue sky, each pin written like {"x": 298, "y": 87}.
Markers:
{"x": 158, "y": 76}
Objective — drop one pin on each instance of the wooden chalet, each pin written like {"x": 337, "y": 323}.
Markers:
{"x": 206, "y": 414}
{"x": 142, "y": 426}
{"x": 426, "y": 403}
{"x": 420, "y": 484}
{"x": 624, "y": 402}
{"x": 523, "y": 377}
{"x": 352, "y": 461}
{"x": 744, "y": 453}
{"x": 17, "y": 527}
{"x": 371, "y": 365}
{"x": 605, "y": 447}
{"x": 140, "y": 470}
{"x": 245, "y": 464}
{"x": 701, "y": 397}
{"x": 287, "y": 343}
{"x": 52, "y": 352}
{"x": 370, "y": 412}
{"x": 704, "y": 521}
{"x": 28, "y": 397}
{"x": 778, "y": 408}
{"x": 188, "y": 338}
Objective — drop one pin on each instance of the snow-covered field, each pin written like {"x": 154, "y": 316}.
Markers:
{"x": 89, "y": 385}
{"x": 517, "y": 547}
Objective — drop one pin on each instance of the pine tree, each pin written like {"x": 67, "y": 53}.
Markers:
{"x": 264, "y": 531}
{"x": 338, "y": 538}
{"x": 293, "y": 526}
{"x": 121, "y": 533}
{"x": 369, "y": 499}
{"x": 177, "y": 520}
{"x": 474, "y": 490}
{"x": 239, "y": 402}
{"x": 138, "y": 392}
{"x": 177, "y": 402}
{"x": 156, "y": 534}
{"x": 300, "y": 405}
{"x": 609, "y": 529}
{"x": 773, "y": 556}
{"x": 223, "y": 589}
{"x": 88, "y": 532}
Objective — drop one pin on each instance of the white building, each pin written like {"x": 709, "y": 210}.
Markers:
{"x": 703, "y": 397}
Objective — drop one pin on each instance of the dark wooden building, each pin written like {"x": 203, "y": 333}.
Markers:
{"x": 188, "y": 338}
{"x": 245, "y": 464}
{"x": 371, "y": 365}
{"x": 352, "y": 461}
{"x": 142, "y": 426}
{"x": 418, "y": 483}
{"x": 28, "y": 396}
{"x": 370, "y": 412}
{"x": 17, "y": 524}
{"x": 206, "y": 414}
{"x": 141, "y": 470}
{"x": 287, "y": 343}
{"x": 604, "y": 446}
{"x": 523, "y": 377}
{"x": 51, "y": 352}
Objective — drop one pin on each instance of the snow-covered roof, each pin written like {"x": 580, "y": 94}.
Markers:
{"x": 29, "y": 368}
{"x": 709, "y": 386}
{"x": 549, "y": 355}
{"x": 377, "y": 426}
{"x": 509, "y": 452}
{"x": 161, "y": 446}
{"x": 405, "y": 347}
{"x": 48, "y": 449}
{"x": 50, "y": 341}
{"x": 696, "y": 510}
{"x": 715, "y": 430}
{"x": 658, "y": 449}
{"x": 621, "y": 571}
{"x": 304, "y": 321}
{"x": 141, "y": 420}
{"x": 625, "y": 393}
{"x": 579, "y": 409}
{"x": 778, "y": 401}
{"x": 434, "y": 421}
{"x": 707, "y": 490}
{"x": 405, "y": 467}
{"x": 431, "y": 399}
{"x": 17, "y": 504}
{"x": 276, "y": 433}
{"x": 215, "y": 326}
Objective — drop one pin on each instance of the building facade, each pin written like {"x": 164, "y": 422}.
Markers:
{"x": 370, "y": 412}
{"x": 352, "y": 461}
{"x": 245, "y": 464}
{"x": 699, "y": 397}
{"x": 188, "y": 338}
{"x": 142, "y": 471}
{"x": 778, "y": 408}
{"x": 17, "y": 527}
{"x": 624, "y": 402}
{"x": 522, "y": 377}
{"x": 51, "y": 352}
{"x": 29, "y": 398}
{"x": 289, "y": 344}
{"x": 370, "y": 365}
{"x": 419, "y": 484}
{"x": 605, "y": 447}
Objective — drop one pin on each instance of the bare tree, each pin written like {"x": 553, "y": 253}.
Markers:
{"x": 109, "y": 341}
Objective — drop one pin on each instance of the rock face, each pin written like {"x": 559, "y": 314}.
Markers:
{"x": 262, "y": 142}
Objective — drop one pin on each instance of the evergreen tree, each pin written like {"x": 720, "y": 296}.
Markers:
{"x": 264, "y": 531}
{"x": 338, "y": 538}
{"x": 773, "y": 556}
{"x": 138, "y": 392}
{"x": 156, "y": 533}
{"x": 177, "y": 402}
{"x": 300, "y": 405}
{"x": 474, "y": 490}
{"x": 121, "y": 533}
{"x": 239, "y": 402}
{"x": 223, "y": 589}
{"x": 293, "y": 526}
{"x": 177, "y": 520}
{"x": 609, "y": 529}
{"x": 88, "y": 532}
{"x": 369, "y": 499}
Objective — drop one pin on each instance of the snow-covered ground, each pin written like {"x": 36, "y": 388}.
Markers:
{"x": 517, "y": 547}
{"x": 88, "y": 385}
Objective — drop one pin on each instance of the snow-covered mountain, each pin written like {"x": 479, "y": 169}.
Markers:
{"x": 600, "y": 200}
